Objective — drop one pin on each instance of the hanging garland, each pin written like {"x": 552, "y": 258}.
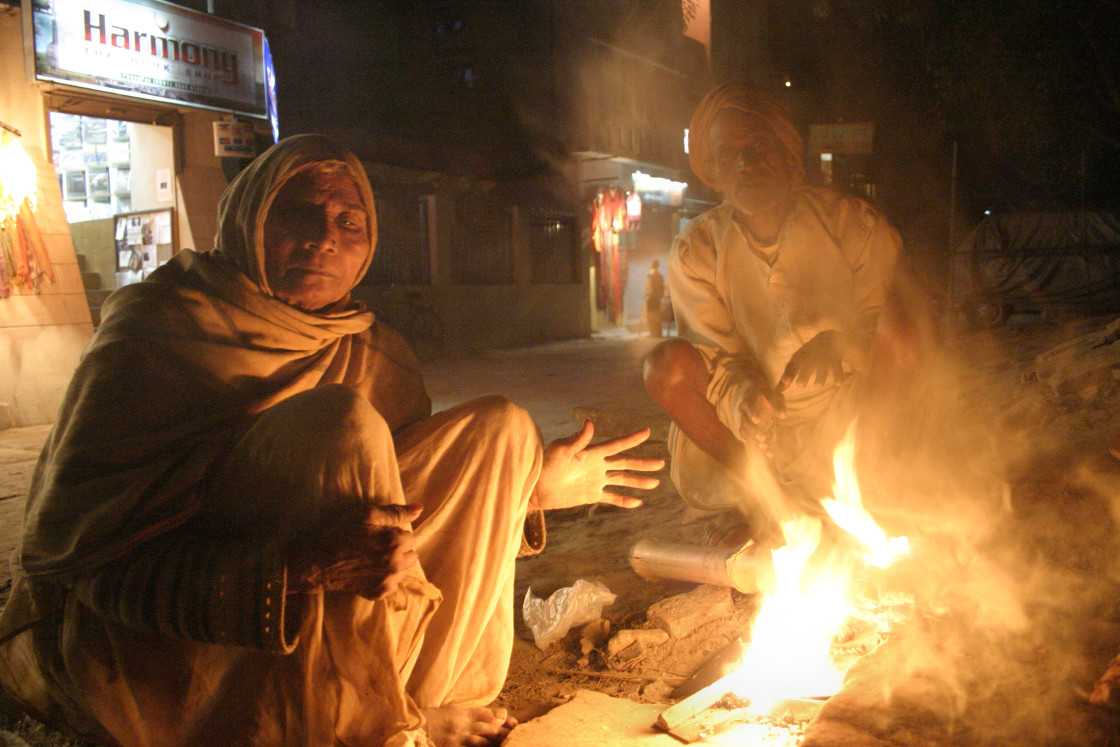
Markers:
{"x": 24, "y": 262}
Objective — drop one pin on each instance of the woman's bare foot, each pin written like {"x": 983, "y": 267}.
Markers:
{"x": 463, "y": 726}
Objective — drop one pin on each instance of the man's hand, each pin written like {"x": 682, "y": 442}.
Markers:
{"x": 820, "y": 361}
{"x": 364, "y": 551}
{"x": 761, "y": 407}
{"x": 575, "y": 474}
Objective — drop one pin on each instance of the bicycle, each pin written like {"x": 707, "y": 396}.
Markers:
{"x": 416, "y": 319}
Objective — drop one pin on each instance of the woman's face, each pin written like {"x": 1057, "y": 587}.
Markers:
{"x": 316, "y": 239}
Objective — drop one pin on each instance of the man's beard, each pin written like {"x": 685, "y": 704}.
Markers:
{"x": 759, "y": 196}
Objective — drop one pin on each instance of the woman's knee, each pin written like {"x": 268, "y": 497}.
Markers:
{"x": 671, "y": 365}
{"x": 496, "y": 414}
{"x": 331, "y": 413}
{"x": 305, "y": 456}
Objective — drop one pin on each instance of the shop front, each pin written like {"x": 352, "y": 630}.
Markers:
{"x": 636, "y": 211}
{"x": 132, "y": 112}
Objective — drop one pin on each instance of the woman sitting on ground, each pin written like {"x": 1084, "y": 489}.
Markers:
{"x": 247, "y": 527}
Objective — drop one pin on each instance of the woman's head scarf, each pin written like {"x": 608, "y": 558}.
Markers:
{"x": 737, "y": 95}
{"x": 181, "y": 363}
{"x": 244, "y": 205}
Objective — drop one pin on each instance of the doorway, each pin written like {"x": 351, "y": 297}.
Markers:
{"x": 118, "y": 193}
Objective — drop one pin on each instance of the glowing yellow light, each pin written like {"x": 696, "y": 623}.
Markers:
{"x": 849, "y": 514}
{"x": 17, "y": 177}
{"x": 645, "y": 183}
{"x": 788, "y": 655}
{"x": 790, "y": 652}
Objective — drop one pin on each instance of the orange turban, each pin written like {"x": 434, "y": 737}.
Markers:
{"x": 737, "y": 95}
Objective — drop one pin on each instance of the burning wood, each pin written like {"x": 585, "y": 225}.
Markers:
{"x": 699, "y": 701}
{"x": 689, "y": 721}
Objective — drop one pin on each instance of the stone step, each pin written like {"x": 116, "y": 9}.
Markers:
{"x": 97, "y": 296}
{"x": 91, "y": 280}
{"x": 83, "y": 264}
{"x": 95, "y": 317}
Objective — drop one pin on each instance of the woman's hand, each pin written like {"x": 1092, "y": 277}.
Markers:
{"x": 575, "y": 474}
{"x": 364, "y": 551}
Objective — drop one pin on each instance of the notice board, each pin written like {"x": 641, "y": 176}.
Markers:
{"x": 145, "y": 239}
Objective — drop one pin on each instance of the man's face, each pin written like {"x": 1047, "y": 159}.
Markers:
{"x": 316, "y": 240}
{"x": 748, "y": 162}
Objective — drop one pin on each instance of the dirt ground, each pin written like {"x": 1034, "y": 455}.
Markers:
{"x": 1020, "y": 612}
{"x": 1050, "y": 552}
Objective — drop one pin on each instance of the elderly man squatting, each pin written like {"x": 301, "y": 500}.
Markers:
{"x": 777, "y": 292}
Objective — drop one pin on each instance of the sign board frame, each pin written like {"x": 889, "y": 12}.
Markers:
{"x": 152, "y": 50}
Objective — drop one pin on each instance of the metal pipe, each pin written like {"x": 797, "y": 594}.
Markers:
{"x": 747, "y": 569}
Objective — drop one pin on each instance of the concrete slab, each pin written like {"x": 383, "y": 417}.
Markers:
{"x": 592, "y": 719}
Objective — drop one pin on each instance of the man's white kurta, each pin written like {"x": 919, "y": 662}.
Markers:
{"x": 749, "y": 308}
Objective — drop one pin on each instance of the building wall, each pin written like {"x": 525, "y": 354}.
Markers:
{"x": 41, "y": 335}
{"x": 475, "y": 96}
{"x": 200, "y": 178}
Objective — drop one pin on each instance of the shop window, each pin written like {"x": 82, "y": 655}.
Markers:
{"x": 553, "y": 248}
{"x": 483, "y": 250}
{"x": 402, "y": 255}
{"x": 118, "y": 194}
{"x": 92, "y": 156}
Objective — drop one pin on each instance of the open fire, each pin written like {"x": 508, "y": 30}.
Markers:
{"x": 818, "y": 619}
{"x": 793, "y": 651}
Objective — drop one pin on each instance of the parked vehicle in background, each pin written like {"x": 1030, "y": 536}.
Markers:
{"x": 1037, "y": 262}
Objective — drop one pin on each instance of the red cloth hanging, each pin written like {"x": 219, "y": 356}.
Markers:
{"x": 617, "y": 203}
{"x": 596, "y": 232}
{"x": 607, "y": 207}
{"x": 616, "y": 279}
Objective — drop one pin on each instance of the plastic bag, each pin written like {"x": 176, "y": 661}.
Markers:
{"x": 551, "y": 619}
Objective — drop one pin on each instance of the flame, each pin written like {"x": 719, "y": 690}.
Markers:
{"x": 790, "y": 652}
{"x": 17, "y": 177}
{"x": 846, "y": 509}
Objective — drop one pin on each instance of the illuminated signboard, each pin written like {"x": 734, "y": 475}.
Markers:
{"x": 153, "y": 50}
{"x": 850, "y": 139}
{"x": 658, "y": 189}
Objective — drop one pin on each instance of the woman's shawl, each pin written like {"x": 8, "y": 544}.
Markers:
{"x": 179, "y": 365}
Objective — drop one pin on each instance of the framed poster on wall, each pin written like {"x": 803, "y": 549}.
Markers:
{"x": 74, "y": 185}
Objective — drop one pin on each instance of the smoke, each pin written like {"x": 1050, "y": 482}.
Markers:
{"x": 1010, "y": 502}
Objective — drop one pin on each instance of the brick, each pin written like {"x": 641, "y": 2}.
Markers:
{"x": 680, "y": 615}
{"x": 644, "y": 638}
